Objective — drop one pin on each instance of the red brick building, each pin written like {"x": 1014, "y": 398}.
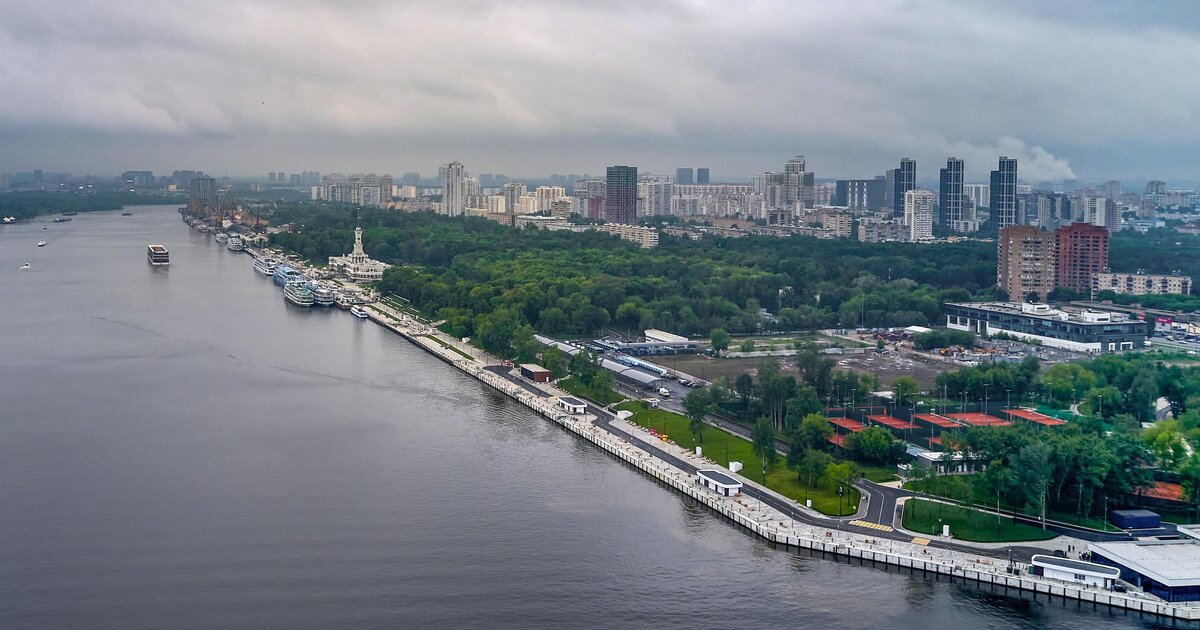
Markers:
{"x": 1082, "y": 250}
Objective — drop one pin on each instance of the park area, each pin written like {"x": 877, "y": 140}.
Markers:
{"x": 967, "y": 524}
{"x": 723, "y": 447}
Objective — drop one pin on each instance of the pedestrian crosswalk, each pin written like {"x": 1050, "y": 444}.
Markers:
{"x": 870, "y": 525}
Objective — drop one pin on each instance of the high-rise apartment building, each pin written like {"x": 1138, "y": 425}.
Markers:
{"x": 950, "y": 198}
{"x": 1025, "y": 262}
{"x": 512, "y": 195}
{"x": 204, "y": 189}
{"x": 1112, "y": 190}
{"x": 859, "y": 194}
{"x": 620, "y": 194}
{"x": 1082, "y": 252}
{"x": 905, "y": 180}
{"x": 1003, "y": 193}
{"x": 1100, "y": 211}
{"x": 918, "y": 213}
{"x": 453, "y": 189}
{"x": 684, "y": 176}
{"x": 702, "y": 176}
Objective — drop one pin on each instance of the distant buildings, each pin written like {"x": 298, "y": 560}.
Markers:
{"x": 1003, "y": 192}
{"x": 860, "y": 194}
{"x": 905, "y": 180}
{"x": 918, "y": 214}
{"x": 620, "y": 194}
{"x": 950, "y": 199}
{"x": 684, "y": 176}
{"x": 702, "y": 176}
{"x": 453, "y": 189}
{"x": 1025, "y": 262}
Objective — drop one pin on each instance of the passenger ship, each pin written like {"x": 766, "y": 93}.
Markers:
{"x": 298, "y": 294}
{"x": 158, "y": 255}
{"x": 234, "y": 243}
{"x": 266, "y": 266}
{"x": 285, "y": 274}
{"x": 322, "y": 295}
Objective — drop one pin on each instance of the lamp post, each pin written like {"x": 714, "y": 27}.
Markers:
{"x": 985, "y": 396}
{"x": 1008, "y": 395}
{"x": 841, "y": 506}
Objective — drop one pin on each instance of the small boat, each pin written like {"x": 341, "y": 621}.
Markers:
{"x": 70, "y": 214}
{"x": 222, "y": 237}
{"x": 41, "y": 243}
{"x": 8, "y": 220}
{"x": 359, "y": 312}
{"x": 25, "y": 267}
{"x": 126, "y": 214}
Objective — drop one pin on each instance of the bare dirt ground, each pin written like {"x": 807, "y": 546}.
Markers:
{"x": 885, "y": 367}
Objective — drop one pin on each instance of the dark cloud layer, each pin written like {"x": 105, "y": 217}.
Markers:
{"x": 1070, "y": 89}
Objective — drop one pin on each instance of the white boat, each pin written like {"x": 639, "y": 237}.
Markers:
{"x": 157, "y": 255}
{"x": 41, "y": 243}
{"x": 359, "y": 312}
{"x": 323, "y": 295}
{"x": 265, "y": 266}
{"x": 25, "y": 267}
{"x": 222, "y": 237}
{"x": 9, "y": 220}
{"x": 234, "y": 244}
{"x": 298, "y": 294}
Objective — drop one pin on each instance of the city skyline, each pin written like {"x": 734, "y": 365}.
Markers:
{"x": 171, "y": 86}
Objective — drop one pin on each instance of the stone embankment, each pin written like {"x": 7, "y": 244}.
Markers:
{"x": 630, "y": 445}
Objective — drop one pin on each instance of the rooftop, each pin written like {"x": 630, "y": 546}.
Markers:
{"x": 571, "y": 400}
{"x": 846, "y": 423}
{"x": 1040, "y": 560}
{"x": 1035, "y": 417}
{"x": 1074, "y": 314}
{"x": 937, "y": 420}
{"x": 1169, "y": 562}
{"x": 719, "y": 477}
{"x": 976, "y": 419}
{"x": 892, "y": 423}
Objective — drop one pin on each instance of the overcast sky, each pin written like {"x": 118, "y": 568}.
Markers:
{"x": 242, "y": 87}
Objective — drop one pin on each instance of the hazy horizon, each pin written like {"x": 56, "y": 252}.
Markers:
{"x": 243, "y": 88}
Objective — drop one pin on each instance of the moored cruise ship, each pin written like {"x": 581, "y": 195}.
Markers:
{"x": 265, "y": 265}
{"x": 298, "y": 294}
{"x": 285, "y": 274}
{"x": 322, "y": 295}
{"x": 158, "y": 255}
{"x": 234, "y": 243}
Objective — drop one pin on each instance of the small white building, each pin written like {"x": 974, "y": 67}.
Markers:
{"x": 1078, "y": 571}
{"x": 719, "y": 482}
{"x": 572, "y": 405}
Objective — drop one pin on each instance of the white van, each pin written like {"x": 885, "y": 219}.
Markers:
{"x": 664, "y": 392}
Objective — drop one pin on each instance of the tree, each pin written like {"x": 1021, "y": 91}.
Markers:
{"x": 744, "y": 386}
{"x": 803, "y": 402}
{"x": 816, "y": 369}
{"x": 904, "y": 388}
{"x": 838, "y": 476}
{"x": 697, "y": 405}
{"x": 556, "y": 361}
{"x": 812, "y": 465}
{"x": 763, "y": 444}
{"x": 874, "y": 445}
{"x": 813, "y": 431}
{"x": 718, "y": 339}
{"x": 1033, "y": 472}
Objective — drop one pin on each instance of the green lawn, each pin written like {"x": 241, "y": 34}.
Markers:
{"x": 878, "y": 474}
{"x": 602, "y": 396}
{"x": 962, "y": 488}
{"x": 967, "y": 524}
{"x": 723, "y": 448}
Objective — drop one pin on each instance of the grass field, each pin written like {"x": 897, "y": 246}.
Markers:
{"x": 449, "y": 347}
{"x": 723, "y": 447}
{"x": 962, "y": 488}
{"x": 967, "y": 524}
{"x": 602, "y": 396}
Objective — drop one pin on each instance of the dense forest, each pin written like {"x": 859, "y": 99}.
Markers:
{"x": 481, "y": 277}
{"x": 26, "y": 205}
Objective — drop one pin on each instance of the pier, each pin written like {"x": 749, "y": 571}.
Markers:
{"x": 766, "y": 514}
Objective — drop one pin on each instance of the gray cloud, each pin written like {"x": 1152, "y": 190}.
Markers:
{"x": 534, "y": 87}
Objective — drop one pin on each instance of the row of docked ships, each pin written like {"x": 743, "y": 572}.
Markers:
{"x": 233, "y": 242}
{"x": 303, "y": 291}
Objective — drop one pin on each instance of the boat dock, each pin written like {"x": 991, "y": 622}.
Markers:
{"x": 764, "y": 513}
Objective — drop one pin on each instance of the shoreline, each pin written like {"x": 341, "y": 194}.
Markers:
{"x": 759, "y": 517}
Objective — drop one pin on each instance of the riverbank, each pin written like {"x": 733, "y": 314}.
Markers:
{"x": 774, "y": 518}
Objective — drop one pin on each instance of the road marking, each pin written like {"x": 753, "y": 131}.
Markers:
{"x": 870, "y": 525}
{"x": 920, "y": 541}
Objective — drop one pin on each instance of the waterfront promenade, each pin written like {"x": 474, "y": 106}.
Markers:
{"x": 768, "y": 515}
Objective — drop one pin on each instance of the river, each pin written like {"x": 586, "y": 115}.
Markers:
{"x": 181, "y": 448}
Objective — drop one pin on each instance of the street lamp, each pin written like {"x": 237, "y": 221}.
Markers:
{"x": 841, "y": 506}
{"x": 985, "y": 396}
{"x": 1008, "y": 394}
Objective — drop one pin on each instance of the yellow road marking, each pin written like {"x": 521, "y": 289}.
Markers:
{"x": 920, "y": 541}
{"x": 870, "y": 525}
